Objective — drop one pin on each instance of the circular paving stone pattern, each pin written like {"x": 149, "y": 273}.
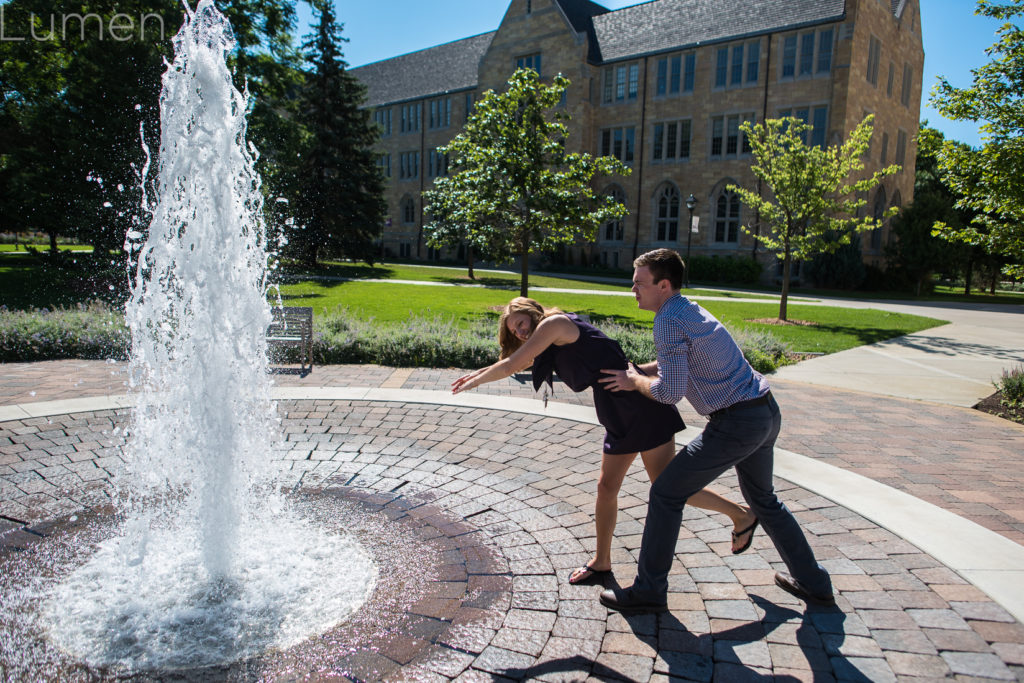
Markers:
{"x": 507, "y": 499}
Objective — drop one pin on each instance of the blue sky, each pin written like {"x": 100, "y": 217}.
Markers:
{"x": 955, "y": 38}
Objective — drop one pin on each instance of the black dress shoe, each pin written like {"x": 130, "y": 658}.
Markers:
{"x": 794, "y": 587}
{"x": 623, "y": 600}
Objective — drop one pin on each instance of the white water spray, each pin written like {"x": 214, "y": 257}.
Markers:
{"x": 213, "y": 565}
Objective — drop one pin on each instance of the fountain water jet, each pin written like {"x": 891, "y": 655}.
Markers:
{"x": 212, "y": 565}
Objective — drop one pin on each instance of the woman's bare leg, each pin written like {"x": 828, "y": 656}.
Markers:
{"x": 742, "y": 518}
{"x": 606, "y": 510}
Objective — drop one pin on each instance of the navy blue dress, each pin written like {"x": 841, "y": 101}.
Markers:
{"x": 632, "y": 422}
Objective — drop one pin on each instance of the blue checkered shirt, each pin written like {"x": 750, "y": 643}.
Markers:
{"x": 698, "y": 360}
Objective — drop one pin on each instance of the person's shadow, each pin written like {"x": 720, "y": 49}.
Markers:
{"x": 716, "y": 656}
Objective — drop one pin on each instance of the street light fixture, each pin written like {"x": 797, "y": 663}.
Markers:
{"x": 691, "y": 203}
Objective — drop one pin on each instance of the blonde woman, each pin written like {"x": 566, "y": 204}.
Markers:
{"x": 555, "y": 342}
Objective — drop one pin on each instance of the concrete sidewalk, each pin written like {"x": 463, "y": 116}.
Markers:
{"x": 955, "y": 364}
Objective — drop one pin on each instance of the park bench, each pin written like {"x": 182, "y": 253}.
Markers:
{"x": 292, "y": 327}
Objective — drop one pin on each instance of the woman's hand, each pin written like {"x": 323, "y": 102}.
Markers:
{"x": 467, "y": 382}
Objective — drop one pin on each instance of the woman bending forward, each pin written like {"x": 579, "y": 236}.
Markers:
{"x": 556, "y": 342}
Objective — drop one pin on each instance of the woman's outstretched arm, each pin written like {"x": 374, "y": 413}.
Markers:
{"x": 554, "y": 330}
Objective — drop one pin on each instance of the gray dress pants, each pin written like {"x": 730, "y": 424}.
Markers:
{"x": 744, "y": 438}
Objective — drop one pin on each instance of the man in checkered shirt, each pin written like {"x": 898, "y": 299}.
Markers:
{"x": 698, "y": 360}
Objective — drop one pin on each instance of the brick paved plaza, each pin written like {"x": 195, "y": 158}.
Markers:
{"x": 507, "y": 499}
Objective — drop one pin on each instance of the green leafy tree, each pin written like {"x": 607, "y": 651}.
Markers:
{"x": 814, "y": 199}
{"x": 990, "y": 181}
{"x": 916, "y": 254}
{"x": 514, "y": 189}
{"x": 340, "y": 195}
{"x": 73, "y": 98}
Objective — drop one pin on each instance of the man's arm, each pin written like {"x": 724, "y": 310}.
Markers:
{"x": 629, "y": 380}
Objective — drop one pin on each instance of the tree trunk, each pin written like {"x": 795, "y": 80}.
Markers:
{"x": 524, "y": 269}
{"x": 469, "y": 261}
{"x": 968, "y": 276}
{"x": 53, "y": 242}
{"x": 995, "y": 279}
{"x": 787, "y": 264}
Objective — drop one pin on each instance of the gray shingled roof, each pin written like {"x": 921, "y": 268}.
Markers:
{"x": 579, "y": 13}
{"x": 629, "y": 32}
{"x": 671, "y": 24}
{"x": 445, "y": 68}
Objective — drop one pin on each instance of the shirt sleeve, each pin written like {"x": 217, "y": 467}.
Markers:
{"x": 673, "y": 348}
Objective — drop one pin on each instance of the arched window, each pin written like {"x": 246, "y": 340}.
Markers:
{"x": 878, "y": 212}
{"x": 667, "y": 215}
{"x": 727, "y": 217}
{"x": 613, "y": 230}
{"x": 408, "y": 210}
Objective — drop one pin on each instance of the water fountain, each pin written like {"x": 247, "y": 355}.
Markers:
{"x": 208, "y": 564}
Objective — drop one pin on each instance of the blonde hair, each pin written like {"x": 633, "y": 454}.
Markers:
{"x": 509, "y": 342}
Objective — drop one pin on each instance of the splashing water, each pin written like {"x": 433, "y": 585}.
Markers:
{"x": 212, "y": 565}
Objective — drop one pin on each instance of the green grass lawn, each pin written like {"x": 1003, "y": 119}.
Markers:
{"x": 20, "y": 248}
{"x": 836, "y": 328}
{"x": 488, "y": 278}
{"x": 24, "y": 283}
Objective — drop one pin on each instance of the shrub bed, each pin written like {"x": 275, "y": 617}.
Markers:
{"x": 97, "y": 331}
{"x": 92, "y": 331}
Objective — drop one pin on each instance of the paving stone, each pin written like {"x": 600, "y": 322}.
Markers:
{"x": 624, "y": 667}
{"x": 862, "y": 669}
{"x": 798, "y": 657}
{"x": 980, "y": 664}
{"x": 684, "y": 666}
{"x": 938, "y": 618}
{"x": 909, "y": 664}
{"x": 911, "y": 641}
{"x": 751, "y": 654}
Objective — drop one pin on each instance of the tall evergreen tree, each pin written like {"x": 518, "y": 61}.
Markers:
{"x": 340, "y": 195}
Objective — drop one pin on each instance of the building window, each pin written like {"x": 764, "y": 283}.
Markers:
{"x": 438, "y": 164}
{"x": 405, "y": 250}
{"x": 675, "y": 74}
{"x": 384, "y": 164}
{"x": 825, "y": 51}
{"x": 816, "y": 117}
{"x": 621, "y": 83}
{"x": 469, "y": 105}
{"x": 440, "y": 113}
{"x": 613, "y": 229}
{"x": 789, "y": 57}
{"x": 409, "y": 165}
{"x": 908, "y": 77}
{"x": 807, "y": 54}
{"x": 901, "y": 147}
{"x": 383, "y": 119}
{"x": 618, "y": 143}
{"x": 727, "y": 217}
{"x": 737, "y": 65}
{"x": 874, "y": 57}
{"x": 667, "y": 222}
{"x": 529, "y": 62}
{"x": 408, "y": 210}
{"x": 892, "y": 77}
{"x": 671, "y": 141}
{"x": 727, "y": 140}
{"x": 410, "y": 121}
{"x": 885, "y": 148}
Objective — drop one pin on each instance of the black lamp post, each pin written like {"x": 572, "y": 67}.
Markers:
{"x": 691, "y": 202}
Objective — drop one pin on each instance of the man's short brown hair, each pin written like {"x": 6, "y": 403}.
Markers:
{"x": 663, "y": 264}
